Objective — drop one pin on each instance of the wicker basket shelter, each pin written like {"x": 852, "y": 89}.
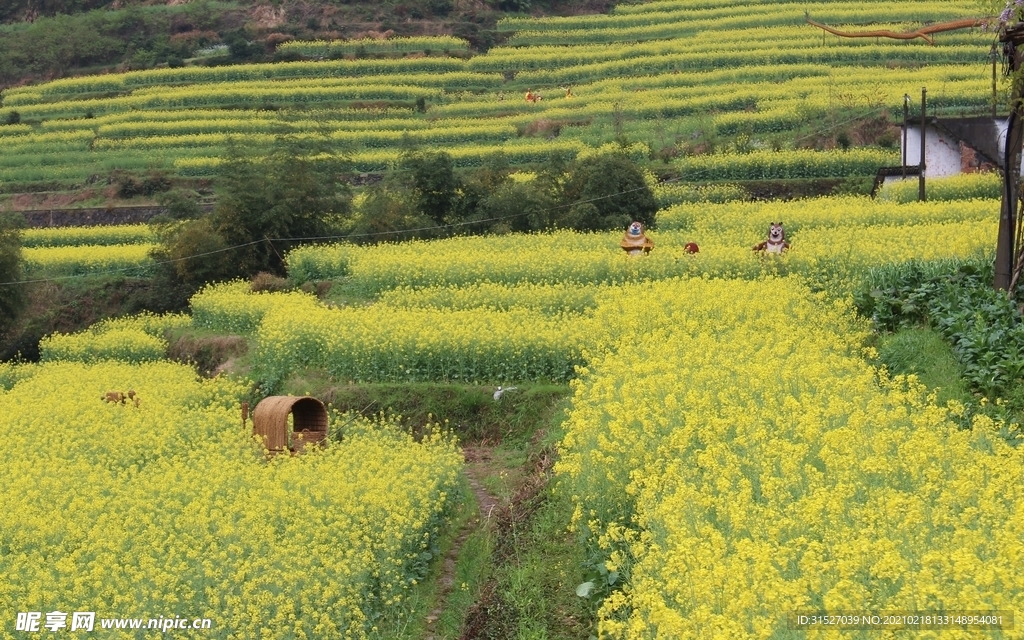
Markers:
{"x": 270, "y": 422}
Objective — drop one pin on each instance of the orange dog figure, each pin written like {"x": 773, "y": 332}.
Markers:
{"x": 635, "y": 242}
{"x": 117, "y": 397}
{"x": 776, "y": 242}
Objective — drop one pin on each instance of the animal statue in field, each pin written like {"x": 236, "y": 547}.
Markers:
{"x": 776, "y": 242}
{"x": 635, "y": 241}
{"x": 118, "y": 397}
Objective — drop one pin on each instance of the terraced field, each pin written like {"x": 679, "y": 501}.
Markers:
{"x": 732, "y": 453}
{"x": 75, "y": 251}
{"x": 658, "y": 73}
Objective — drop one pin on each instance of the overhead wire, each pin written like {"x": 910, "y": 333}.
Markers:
{"x": 452, "y": 225}
{"x": 689, "y": 178}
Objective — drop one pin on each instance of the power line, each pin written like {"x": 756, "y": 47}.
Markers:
{"x": 700, "y": 175}
{"x": 452, "y": 225}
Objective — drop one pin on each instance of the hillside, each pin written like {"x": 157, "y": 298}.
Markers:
{"x": 672, "y": 80}
{"x": 58, "y": 38}
{"x": 504, "y": 425}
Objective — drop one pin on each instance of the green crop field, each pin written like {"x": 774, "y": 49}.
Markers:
{"x": 660, "y": 73}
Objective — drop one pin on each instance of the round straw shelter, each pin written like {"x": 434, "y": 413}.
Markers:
{"x": 270, "y": 422}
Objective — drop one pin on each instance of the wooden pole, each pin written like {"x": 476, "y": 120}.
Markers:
{"x": 995, "y": 57}
{"x": 1008, "y": 208}
{"x": 920, "y": 175}
{"x": 906, "y": 109}
{"x": 1005, "y": 250}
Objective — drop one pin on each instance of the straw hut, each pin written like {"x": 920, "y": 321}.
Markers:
{"x": 270, "y": 422}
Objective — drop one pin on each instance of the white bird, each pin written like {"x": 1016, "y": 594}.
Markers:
{"x": 497, "y": 394}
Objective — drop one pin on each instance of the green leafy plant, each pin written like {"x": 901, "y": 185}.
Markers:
{"x": 982, "y": 325}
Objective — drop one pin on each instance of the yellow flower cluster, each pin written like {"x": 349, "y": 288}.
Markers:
{"x": 679, "y": 14}
{"x": 792, "y": 163}
{"x": 12, "y": 372}
{"x": 96, "y": 235}
{"x": 555, "y": 298}
{"x": 735, "y": 457}
{"x": 126, "y": 259}
{"x": 964, "y": 186}
{"x": 137, "y": 338}
{"x": 381, "y": 343}
{"x": 828, "y": 212}
{"x": 76, "y": 87}
{"x": 373, "y": 45}
{"x": 234, "y": 308}
{"x": 170, "y": 508}
{"x": 834, "y": 241}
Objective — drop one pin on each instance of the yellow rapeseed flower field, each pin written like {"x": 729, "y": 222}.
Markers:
{"x": 138, "y": 338}
{"x": 124, "y": 259}
{"x": 731, "y": 455}
{"x": 737, "y": 460}
{"x": 169, "y": 508}
{"x": 835, "y": 241}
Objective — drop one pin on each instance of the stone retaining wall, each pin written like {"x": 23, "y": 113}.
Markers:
{"x": 95, "y": 216}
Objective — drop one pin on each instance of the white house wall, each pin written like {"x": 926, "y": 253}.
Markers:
{"x": 941, "y": 155}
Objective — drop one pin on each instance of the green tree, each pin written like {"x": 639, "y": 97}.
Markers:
{"x": 270, "y": 200}
{"x": 12, "y": 293}
{"x": 179, "y": 205}
{"x": 297, "y": 190}
{"x": 494, "y": 172}
{"x": 431, "y": 176}
{"x": 190, "y": 254}
{"x": 517, "y": 206}
{"x": 388, "y": 213}
{"x": 605, "y": 192}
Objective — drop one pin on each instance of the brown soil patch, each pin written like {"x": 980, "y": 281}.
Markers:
{"x": 29, "y": 201}
{"x": 375, "y": 35}
{"x": 471, "y": 6}
{"x": 274, "y": 39}
{"x": 870, "y": 130}
{"x": 378, "y": 105}
{"x": 210, "y": 356}
{"x": 542, "y": 128}
{"x": 195, "y": 36}
{"x": 477, "y": 462}
{"x": 268, "y": 17}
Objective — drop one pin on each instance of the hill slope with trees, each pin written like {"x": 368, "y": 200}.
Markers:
{"x": 46, "y": 39}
